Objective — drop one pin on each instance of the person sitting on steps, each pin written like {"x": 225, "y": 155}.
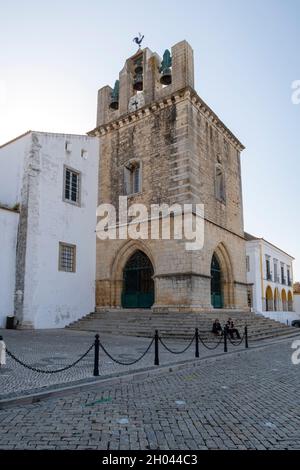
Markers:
{"x": 231, "y": 330}
{"x": 216, "y": 328}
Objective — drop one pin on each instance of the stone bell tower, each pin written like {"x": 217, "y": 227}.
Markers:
{"x": 161, "y": 144}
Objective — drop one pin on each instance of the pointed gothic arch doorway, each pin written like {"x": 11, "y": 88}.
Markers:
{"x": 138, "y": 284}
{"x": 216, "y": 283}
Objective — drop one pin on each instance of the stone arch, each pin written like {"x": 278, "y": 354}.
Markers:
{"x": 227, "y": 280}
{"x": 119, "y": 263}
{"x": 269, "y": 299}
{"x": 290, "y": 301}
{"x": 284, "y": 300}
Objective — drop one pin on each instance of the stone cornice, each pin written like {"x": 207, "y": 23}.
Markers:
{"x": 180, "y": 95}
{"x": 182, "y": 275}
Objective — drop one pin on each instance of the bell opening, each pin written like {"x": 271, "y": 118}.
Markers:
{"x": 166, "y": 78}
{"x": 138, "y": 69}
{"x": 138, "y": 83}
{"x": 114, "y": 105}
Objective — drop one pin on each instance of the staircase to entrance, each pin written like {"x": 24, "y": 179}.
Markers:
{"x": 139, "y": 322}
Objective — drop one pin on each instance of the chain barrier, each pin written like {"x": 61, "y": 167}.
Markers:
{"x": 125, "y": 363}
{"x": 43, "y": 371}
{"x": 211, "y": 348}
{"x": 234, "y": 342}
{"x": 156, "y": 340}
{"x": 176, "y": 352}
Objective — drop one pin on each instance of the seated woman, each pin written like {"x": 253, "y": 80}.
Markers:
{"x": 216, "y": 328}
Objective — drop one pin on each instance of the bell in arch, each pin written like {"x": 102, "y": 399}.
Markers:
{"x": 138, "y": 66}
{"x": 114, "y": 100}
{"x": 165, "y": 69}
{"x": 138, "y": 82}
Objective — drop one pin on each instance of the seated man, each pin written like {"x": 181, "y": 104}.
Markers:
{"x": 216, "y": 328}
{"x": 231, "y": 330}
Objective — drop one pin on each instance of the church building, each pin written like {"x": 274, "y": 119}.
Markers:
{"x": 160, "y": 143}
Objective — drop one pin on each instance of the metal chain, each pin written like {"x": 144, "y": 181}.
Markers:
{"x": 235, "y": 343}
{"x": 176, "y": 352}
{"x": 208, "y": 347}
{"x": 125, "y": 363}
{"x": 42, "y": 371}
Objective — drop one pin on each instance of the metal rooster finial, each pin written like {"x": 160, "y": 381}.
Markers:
{"x": 138, "y": 40}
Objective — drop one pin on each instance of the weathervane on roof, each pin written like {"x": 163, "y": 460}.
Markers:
{"x": 138, "y": 40}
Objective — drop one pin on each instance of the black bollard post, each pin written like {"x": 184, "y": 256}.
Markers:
{"x": 156, "y": 351}
{"x": 246, "y": 337}
{"x": 96, "y": 356}
{"x": 225, "y": 340}
{"x": 197, "y": 342}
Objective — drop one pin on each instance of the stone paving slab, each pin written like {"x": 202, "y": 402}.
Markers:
{"x": 241, "y": 401}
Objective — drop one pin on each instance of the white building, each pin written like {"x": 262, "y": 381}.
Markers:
{"x": 48, "y": 188}
{"x": 270, "y": 279}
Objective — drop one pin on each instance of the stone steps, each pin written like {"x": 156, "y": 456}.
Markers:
{"x": 176, "y": 325}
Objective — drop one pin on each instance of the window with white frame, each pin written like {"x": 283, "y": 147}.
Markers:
{"x": 268, "y": 268}
{"x": 288, "y": 273}
{"x": 72, "y": 183}
{"x": 67, "y": 257}
{"x": 132, "y": 177}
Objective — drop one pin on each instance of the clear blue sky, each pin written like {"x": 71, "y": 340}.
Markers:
{"x": 56, "y": 54}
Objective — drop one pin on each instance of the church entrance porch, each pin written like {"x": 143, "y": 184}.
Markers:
{"x": 164, "y": 277}
{"x": 138, "y": 284}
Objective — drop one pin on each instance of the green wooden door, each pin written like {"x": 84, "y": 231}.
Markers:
{"x": 138, "y": 284}
{"x": 216, "y": 284}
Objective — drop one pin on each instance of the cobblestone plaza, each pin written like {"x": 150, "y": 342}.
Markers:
{"x": 244, "y": 400}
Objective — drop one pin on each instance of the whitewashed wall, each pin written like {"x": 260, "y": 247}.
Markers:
{"x": 12, "y": 156}
{"x": 282, "y": 317}
{"x": 254, "y": 273}
{"x": 8, "y": 240}
{"x": 53, "y": 298}
{"x": 297, "y": 303}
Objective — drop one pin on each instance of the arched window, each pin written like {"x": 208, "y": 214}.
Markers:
{"x": 132, "y": 177}
{"x": 269, "y": 299}
{"x": 290, "y": 301}
{"x": 284, "y": 300}
{"x": 220, "y": 183}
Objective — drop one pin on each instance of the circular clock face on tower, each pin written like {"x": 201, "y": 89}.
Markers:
{"x": 136, "y": 101}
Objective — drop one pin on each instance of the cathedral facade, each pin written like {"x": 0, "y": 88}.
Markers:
{"x": 161, "y": 144}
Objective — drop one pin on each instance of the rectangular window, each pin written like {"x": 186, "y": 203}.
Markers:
{"x": 289, "y": 277}
{"x": 282, "y": 275}
{"x": 248, "y": 264}
{"x": 71, "y": 186}
{"x": 276, "y": 278}
{"x": 268, "y": 270}
{"x": 132, "y": 178}
{"x": 67, "y": 257}
{"x": 136, "y": 180}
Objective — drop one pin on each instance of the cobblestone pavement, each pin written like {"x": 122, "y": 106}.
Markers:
{"x": 53, "y": 349}
{"x": 245, "y": 401}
